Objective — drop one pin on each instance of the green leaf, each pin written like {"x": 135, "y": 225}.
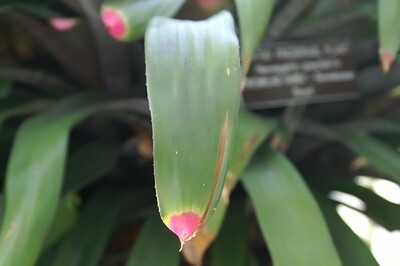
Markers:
{"x": 389, "y": 32}
{"x": 351, "y": 249}
{"x": 7, "y": 134}
{"x": 251, "y": 131}
{"x": 372, "y": 125}
{"x": 253, "y": 20}
{"x": 288, "y": 215}
{"x": 1, "y": 208}
{"x": 127, "y": 20}
{"x": 154, "y": 246}
{"x": 89, "y": 163}
{"x": 232, "y": 239}
{"x": 316, "y": 130}
{"x": 193, "y": 81}
{"x": 34, "y": 177}
{"x": 65, "y": 218}
{"x": 379, "y": 155}
{"x": 10, "y": 107}
{"x": 85, "y": 244}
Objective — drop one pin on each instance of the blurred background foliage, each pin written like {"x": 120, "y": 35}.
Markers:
{"x": 76, "y": 170}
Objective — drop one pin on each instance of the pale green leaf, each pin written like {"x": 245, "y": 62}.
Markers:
{"x": 1, "y": 208}
{"x": 34, "y": 177}
{"x": 193, "y": 81}
{"x": 389, "y": 31}
{"x": 287, "y": 213}
{"x": 253, "y": 20}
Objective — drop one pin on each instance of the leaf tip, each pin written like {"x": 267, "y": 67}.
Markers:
{"x": 63, "y": 24}
{"x": 387, "y": 59}
{"x": 114, "y": 22}
{"x": 184, "y": 225}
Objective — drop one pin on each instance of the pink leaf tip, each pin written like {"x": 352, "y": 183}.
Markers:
{"x": 184, "y": 225}
{"x": 387, "y": 59}
{"x": 63, "y": 24}
{"x": 114, "y": 23}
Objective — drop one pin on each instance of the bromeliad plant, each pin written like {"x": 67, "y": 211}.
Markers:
{"x": 76, "y": 168}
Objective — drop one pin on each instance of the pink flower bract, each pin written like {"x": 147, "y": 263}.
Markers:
{"x": 114, "y": 23}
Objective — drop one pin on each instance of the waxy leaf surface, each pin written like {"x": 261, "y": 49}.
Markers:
{"x": 193, "y": 82}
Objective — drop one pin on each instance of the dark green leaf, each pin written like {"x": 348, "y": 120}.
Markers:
{"x": 372, "y": 125}
{"x": 231, "y": 239}
{"x": 154, "y": 246}
{"x": 5, "y": 86}
{"x": 84, "y": 245}
{"x": 378, "y": 154}
{"x": 65, "y": 218}
{"x": 88, "y": 164}
{"x": 20, "y": 106}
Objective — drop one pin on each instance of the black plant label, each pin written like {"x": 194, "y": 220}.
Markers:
{"x": 301, "y": 73}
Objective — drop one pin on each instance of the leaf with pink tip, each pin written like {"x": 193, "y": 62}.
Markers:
{"x": 126, "y": 20}
{"x": 389, "y": 31}
{"x": 193, "y": 82}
